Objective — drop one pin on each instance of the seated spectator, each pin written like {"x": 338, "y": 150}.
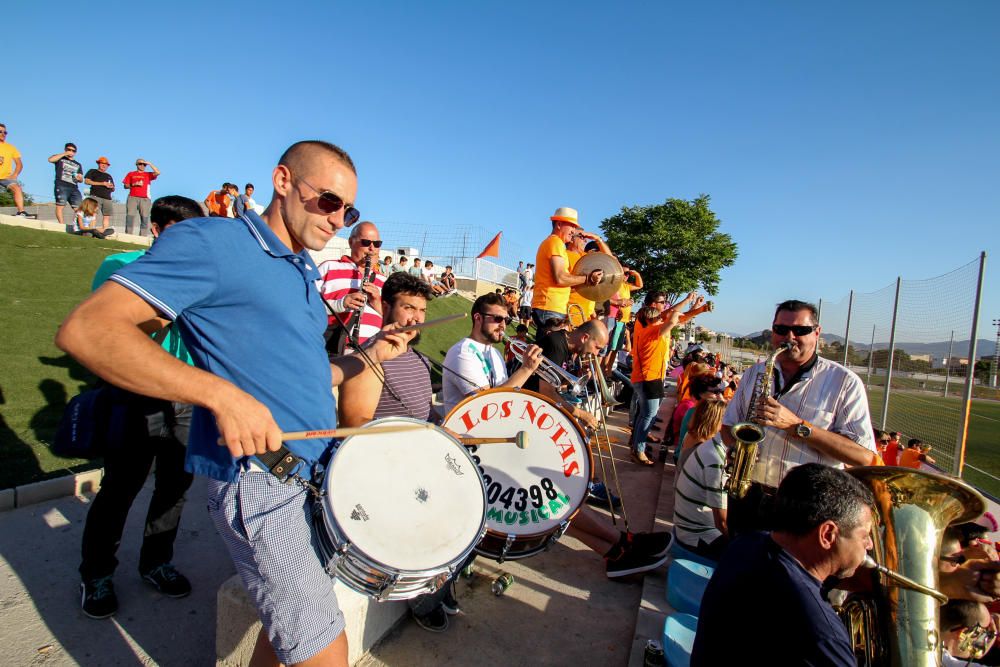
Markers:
{"x": 218, "y": 202}
{"x": 702, "y": 424}
{"x": 968, "y": 632}
{"x": 891, "y": 457}
{"x": 387, "y": 267}
{"x": 706, "y": 383}
{"x": 509, "y": 359}
{"x": 86, "y": 220}
{"x": 417, "y": 270}
{"x": 699, "y": 492}
{"x": 401, "y": 266}
{"x": 448, "y": 280}
{"x": 915, "y": 454}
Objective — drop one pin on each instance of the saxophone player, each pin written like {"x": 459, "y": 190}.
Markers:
{"x": 817, "y": 413}
{"x": 346, "y": 291}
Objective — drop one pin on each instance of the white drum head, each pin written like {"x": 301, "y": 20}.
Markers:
{"x": 410, "y": 501}
{"x": 531, "y": 490}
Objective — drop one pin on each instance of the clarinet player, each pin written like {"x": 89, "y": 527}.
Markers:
{"x": 816, "y": 412}
{"x": 354, "y": 301}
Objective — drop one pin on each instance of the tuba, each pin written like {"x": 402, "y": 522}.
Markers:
{"x": 748, "y": 433}
{"x": 897, "y": 624}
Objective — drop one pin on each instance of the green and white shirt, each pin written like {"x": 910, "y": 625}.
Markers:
{"x": 699, "y": 490}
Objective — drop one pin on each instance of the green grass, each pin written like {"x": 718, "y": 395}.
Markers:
{"x": 936, "y": 420}
{"x": 43, "y": 275}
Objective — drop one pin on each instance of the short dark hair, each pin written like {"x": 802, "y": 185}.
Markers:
{"x": 448, "y": 267}
{"x": 294, "y": 154}
{"x": 590, "y": 247}
{"x": 404, "y": 283}
{"x": 651, "y": 297}
{"x": 703, "y": 384}
{"x": 813, "y": 493}
{"x": 488, "y": 299}
{"x": 522, "y": 328}
{"x": 248, "y": 185}
{"x": 69, "y": 144}
{"x": 959, "y": 614}
{"x": 794, "y": 306}
{"x": 174, "y": 208}
{"x": 913, "y": 442}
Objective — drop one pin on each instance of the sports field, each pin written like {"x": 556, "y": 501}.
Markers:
{"x": 936, "y": 420}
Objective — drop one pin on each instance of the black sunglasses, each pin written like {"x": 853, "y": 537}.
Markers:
{"x": 331, "y": 202}
{"x": 797, "y": 329}
{"x": 367, "y": 243}
{"x": 957, "y": 559}
{"x": 496, "y": 319}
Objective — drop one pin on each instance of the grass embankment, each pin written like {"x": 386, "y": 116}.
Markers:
{"x": 43, "y": 276}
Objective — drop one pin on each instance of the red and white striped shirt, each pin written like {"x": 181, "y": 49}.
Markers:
{"x": 340, "y": 277}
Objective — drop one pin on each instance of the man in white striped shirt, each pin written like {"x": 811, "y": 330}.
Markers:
{"x": 817, "y": 413}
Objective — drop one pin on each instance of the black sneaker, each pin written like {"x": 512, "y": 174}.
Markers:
{"x": 97, "y": 597}
{"x": 632, "y": 561}
{"x": 24, "y": 214}
{"x": 166, "y": 579}
{"x": 434, "y": 621}
{"x": 598, "y": 495}
{"x": 449, "y": 603}
{"x": 653, "y": 544}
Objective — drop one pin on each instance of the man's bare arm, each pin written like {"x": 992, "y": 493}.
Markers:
{"x": 129, "y": 359}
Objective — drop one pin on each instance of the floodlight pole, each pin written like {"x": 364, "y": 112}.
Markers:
{"x": 847, "y": 329}
{"x": 947, "y": 363}
{"x": 892, "y": 350}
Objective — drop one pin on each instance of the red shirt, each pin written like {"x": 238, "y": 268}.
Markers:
{"x": 340, "y": 278}
{"x": 892, "y": 453}
{"x": 138, "y": 183}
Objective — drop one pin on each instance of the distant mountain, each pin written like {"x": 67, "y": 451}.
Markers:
{"x": 938, "y": 350}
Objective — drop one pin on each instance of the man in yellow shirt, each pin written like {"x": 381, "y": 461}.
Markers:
{"x": 553, "y": 279}
{"x": 10, "y": 168}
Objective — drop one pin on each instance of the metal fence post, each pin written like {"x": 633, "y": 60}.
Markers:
{"x": 892, "y": 350}
{"x": 947, "y": 363}
{"x": 819, "y": 312}
{"x": 871, "y": 357}
{"x": 970, "y": 377}
{"x": 847, "y": 329}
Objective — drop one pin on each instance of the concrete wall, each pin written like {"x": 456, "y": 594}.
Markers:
{"x": 237, "y": 625}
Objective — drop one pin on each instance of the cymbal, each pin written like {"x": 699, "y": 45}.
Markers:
{"x": 610, "y": 282}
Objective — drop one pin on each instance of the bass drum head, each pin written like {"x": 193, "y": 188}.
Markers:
{"x": 529, "y": 491}
{"x": 409, "y": 501}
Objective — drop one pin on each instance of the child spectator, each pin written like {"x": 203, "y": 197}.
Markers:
{"x": 448, "y": 280}
{"x": 218, "y": 202}
{"x": 69, "y": 173}
{"x": 86, "y": 219}
{"x": 915, "y": 454}
{"x": 525, "y": 310}
{"x": 521, "y": 335}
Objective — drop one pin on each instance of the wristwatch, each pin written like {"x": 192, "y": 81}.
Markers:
{"x": 804, "y": 430}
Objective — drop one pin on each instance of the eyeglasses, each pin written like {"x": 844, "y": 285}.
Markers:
{"x": 368, "y": 243}
{"x": 797, "y": 329}
{"x": 496, "y": 319}
{"x": 956, "y": 559}
{"x": 331, "y": 202}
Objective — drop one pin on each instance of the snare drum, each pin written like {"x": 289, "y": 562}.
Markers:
{"x": 532, "y": 494}
{"x": 400, "y": 512}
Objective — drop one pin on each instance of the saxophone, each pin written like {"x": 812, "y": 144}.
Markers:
{"x": 748, "y": 433}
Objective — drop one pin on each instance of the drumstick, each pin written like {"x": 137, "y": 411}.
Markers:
{"x": 431, "y": 323}
{"x": 358, "y": 430}
{"x": 520, "y": 439}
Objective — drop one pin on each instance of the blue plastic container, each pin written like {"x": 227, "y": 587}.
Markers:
{"x": 678, "y": 639}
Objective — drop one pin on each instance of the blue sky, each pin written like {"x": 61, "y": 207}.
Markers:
{"x": 842, "y": 144}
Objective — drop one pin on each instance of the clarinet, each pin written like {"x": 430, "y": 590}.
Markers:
{"x": 354, "y": 324}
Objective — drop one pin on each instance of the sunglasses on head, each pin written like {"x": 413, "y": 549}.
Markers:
{"x": 797, "y": 329}
{"x": 367, "y": 243}
{"x": 496, "y": 319}
{"x": 331, "y": 202}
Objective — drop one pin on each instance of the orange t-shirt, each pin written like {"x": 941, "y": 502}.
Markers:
{"x": 891, "y": 455}
{"x": 586, "y": 305}
{"x": 910, "y": 457}
{"x": 649, "y": 354}
{"x": 548, "y": 295}
{"x": 218, "y": 203}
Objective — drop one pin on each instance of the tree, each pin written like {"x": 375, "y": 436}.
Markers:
{"x": 7, "y": 198}
{"x": 676, "y": 246}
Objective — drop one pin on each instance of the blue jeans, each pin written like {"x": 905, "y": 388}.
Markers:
{"x": 646, "y": 412}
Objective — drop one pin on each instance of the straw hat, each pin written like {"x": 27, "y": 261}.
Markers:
{"x": 566, "y": 214}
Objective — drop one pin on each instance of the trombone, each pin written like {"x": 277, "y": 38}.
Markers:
{"x": 548, "y": 370}
{"x": 600, "y": 404}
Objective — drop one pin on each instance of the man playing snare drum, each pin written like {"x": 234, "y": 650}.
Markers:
{"x": 260, "y": 330}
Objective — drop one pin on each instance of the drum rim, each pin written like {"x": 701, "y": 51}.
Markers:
{"x": 357, "y": 553}
{"x": 572, "y": 421}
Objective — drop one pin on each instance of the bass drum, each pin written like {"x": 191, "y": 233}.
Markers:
{"x": 533, "y": 493}
{"x": 400, "y": 512}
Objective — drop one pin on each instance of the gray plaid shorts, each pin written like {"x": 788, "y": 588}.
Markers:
{"x": 267, "y": 527}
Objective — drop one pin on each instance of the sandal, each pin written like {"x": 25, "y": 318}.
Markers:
{"x": 641, "y": 459}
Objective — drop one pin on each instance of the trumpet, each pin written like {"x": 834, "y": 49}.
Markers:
{"x": 548, "y": 370}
